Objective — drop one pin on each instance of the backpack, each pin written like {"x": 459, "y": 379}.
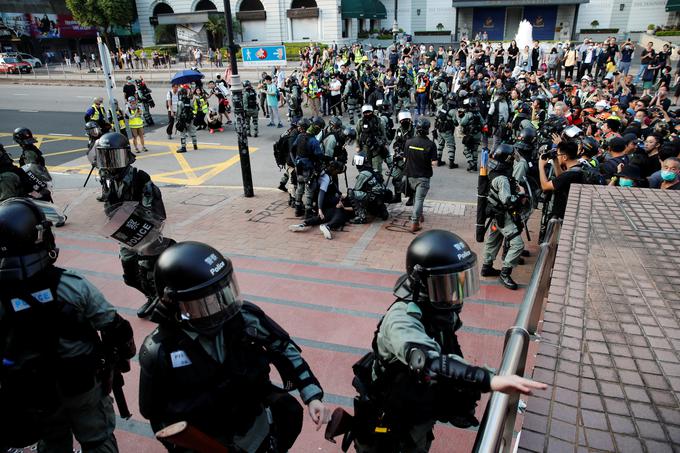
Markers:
{"x": 591, "y": 175}
{"x": 187, "y": 113}
{"x": 282, "y": 149}
{"x": 251, "y": 99}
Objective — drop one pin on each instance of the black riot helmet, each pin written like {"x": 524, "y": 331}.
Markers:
{"x": 589, "y": 146}
{"x": 452, "y": 98}
{"x": 527, "y": 136}
{"x": 247, "y": 84}
{"x": 471, "y": 103}
{"x": 442, "y": 266}
{"x": 504, "y": 153}
{"x": 93, "y": 130}
{"x": 304, "y": 124}
{"x": 318, "y": 121}
{"x": 199, "y": 283}
{"x": 27, "y": 244}
{"x": 23, "y": 136}
{"x": 113, "y": 151}
{"x": 335, "y": 122}
{"x": 422, "y": 126}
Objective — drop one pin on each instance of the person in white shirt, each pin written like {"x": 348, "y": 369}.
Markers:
{"x": 336, "y": 99}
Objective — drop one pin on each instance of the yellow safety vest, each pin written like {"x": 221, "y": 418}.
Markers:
{"x": 121, "y": 119}
{"x": 203, "y": 106}
{"x": 135, "y": 120}
{"x": 98, "y": 113}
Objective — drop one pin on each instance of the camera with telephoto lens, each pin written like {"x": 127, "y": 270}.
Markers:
{"x": 549, "y": 155}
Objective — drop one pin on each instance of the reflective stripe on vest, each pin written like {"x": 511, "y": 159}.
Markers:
{"x": 97, "y": 113}
{"x": 135, "y": 119}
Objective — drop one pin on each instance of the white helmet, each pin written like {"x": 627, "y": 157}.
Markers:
{"x": 366, "y": 108}
{"x": 379, "y": 103}
{"x": 403, "y": 115}
{"x": 604, "y": 105}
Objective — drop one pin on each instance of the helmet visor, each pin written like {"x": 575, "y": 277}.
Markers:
{"x": 208, "y": 313}
{"x": 111, "y": 158}
{"x": 447, "y": 291}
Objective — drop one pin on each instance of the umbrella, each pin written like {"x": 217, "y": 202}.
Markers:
{"x": 186, "y": 76}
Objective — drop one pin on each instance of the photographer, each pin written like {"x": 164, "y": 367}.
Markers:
{"x": 563, "y": 159}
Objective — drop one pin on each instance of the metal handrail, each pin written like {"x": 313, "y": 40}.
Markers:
{"x": 495, "y": 433}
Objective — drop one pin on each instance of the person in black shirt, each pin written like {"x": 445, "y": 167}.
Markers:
{"x": 421, "y": 156}
{"x": 567, "y": 172}
{"x": 617, "y": 149}
{"x": 648, "y": 161}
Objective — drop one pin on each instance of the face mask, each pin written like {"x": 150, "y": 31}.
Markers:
{"x": 626, "y": 183}
{"x": 668, "y": 175}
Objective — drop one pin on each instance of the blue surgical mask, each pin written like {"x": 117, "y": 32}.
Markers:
{"x": 668, "y": 175}
{"x": 626, "y": 182}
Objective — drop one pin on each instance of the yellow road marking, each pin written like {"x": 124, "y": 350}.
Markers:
{"x": 186, "y": 168}
{"x": 58, "y": 153}
{"x": 152, "y": 142}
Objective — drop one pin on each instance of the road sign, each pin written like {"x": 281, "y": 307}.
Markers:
{"x": 117, "y": 40}
{"x": 264, "y": 56}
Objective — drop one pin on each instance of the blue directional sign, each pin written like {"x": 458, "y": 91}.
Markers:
{"x": 263, "y": 56}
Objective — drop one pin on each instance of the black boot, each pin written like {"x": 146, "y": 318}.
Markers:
{"x": 489, "y": 271}
{"x": 525, "y": 252}
{"x": 282, "y": 187}
{"x": 396, "y": 198}
{"x": 299, "y": 210}
{"x": 183, "y": 149}
{"x": 506, "y": 279}
{"x": 520, "y": 260}
{"x": 440, "y": 163}
{"x": 452, "y": 164}
{"x": 309, "y": 213}
{"x": 195, "y": 146}
{"x": 409, "y": 202}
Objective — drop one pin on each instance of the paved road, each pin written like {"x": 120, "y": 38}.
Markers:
{"x": 51, "y": 110}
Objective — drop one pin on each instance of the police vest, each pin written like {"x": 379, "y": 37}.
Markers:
{"x": 220, "y": 399}
{"x": 34, "y": 321}
{"x": 251, "y": 99}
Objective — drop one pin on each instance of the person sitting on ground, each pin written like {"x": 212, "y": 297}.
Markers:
{"x": 214, "y": 121}
{"x": 331, "y": 214}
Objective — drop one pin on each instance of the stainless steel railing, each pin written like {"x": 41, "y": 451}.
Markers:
{"x": 495, "y": 433}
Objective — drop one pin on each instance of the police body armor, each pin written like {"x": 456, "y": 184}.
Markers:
{"x": 444, "y": 122}
{"x": 221, "y": 399}
{"x": 400, "y": 138}
{"x": 497, "y": 210}
{"x": 339, "y": 153}
{"x": 398, "y": 398}
{"x": 134, "y": 189}
{"x": 371, "y": 139}
{"x": 33, "y": 377}
{"x": 474, "y": 127}
{"x": 251, "y": 99}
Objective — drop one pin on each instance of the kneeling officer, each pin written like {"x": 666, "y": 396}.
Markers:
{"x": 208, "y": 361}
{"x": 416, "y": 374}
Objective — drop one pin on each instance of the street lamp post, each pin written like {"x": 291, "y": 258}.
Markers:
{"x": 395, "y": 30}
{"x": 237, "y": 99}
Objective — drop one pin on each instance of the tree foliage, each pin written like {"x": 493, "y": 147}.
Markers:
{"x": 102, "y": 14}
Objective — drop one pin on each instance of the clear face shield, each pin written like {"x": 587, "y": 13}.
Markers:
{"x": 113, "y": 158}
{"x": 447, "y": 291}
{"x": 207, "y": 314}
{"x": 134, "y": 227}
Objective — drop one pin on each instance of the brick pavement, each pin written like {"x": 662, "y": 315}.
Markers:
{"x": 611, "y": 339}
{"x": 328, "y": 294}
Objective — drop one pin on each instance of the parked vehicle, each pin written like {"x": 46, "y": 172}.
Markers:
{"x": 14, "y": 65}
{"x": 30, "y": 59}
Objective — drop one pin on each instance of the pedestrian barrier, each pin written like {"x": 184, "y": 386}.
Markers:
{"x": 496, "y": 430}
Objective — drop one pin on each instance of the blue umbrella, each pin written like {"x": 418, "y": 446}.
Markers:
{"x": 186, "y": 76}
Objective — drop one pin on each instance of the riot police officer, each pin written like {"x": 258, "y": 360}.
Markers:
{"x": 372, "y": 138}
{"x": 125, "y": 183}
{"x": 93, "y": 134}
{"x": 472, "y": 123}
{"x": 445, "y": 124}
{"x": 208, "y": 360}
{"x": 334, "y": 140}
{"x": 396, "y": 162}
{"x": 352, "y": 94}
{"x": 308, "y": 155}
{"x": 415, "y": 374}
{"x": 33, "y": 164}
{"x": 439, "y": 91}
{"x": 13, "y": 180}
{"x": 285, "y": 159}
{"x": 504, "y": 206}
{"x": 403, "y": 92}
{"x": 421, "y": 155}
{"x": 185, "y": 120}
{"x": 294, "y": 99}
{"x": 56, "y": 372}
{"x": 525, "y": 148}
{"x": 250, "y": 107}
{"x": 369, "y": 194}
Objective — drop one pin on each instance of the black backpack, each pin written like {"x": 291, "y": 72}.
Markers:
{"x": 591, "y": 175}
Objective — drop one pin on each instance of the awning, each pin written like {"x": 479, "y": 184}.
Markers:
{"x": 672, "y": 5}
{"x": 363, "y": 9}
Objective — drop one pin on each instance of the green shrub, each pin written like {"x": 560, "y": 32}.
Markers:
{"x": 651, "y": 27}
{"x": 668, "y": 33}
